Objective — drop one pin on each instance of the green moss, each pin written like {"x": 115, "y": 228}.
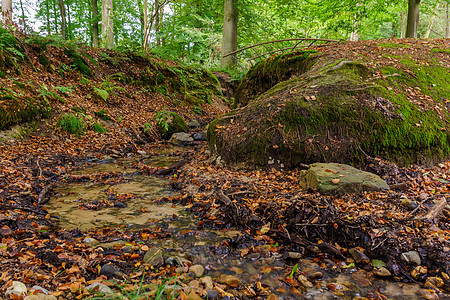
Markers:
{"x": 102, "y": 114}
{"x": 350, "y": 115}
{"x": 16, "y": 108}
{"x": 392, "y": 45}
{"x": 440, "y": 50}
{"x": 79, "y": 63}
{"x": 266, "y": 74}
{"x": 169, "y": 122}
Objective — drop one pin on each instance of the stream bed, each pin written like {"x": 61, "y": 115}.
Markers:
{"x": 134, "y": 203}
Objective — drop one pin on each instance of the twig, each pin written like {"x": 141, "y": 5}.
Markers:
{"x": 240, "y": 193}
{"x": 40, "y": 170}
{"x": 398, "y": 186}
{"x": 435, "y": 211}
{"x": 423, "y": 201}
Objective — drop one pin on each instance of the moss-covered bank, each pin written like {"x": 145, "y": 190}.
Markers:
{"x": 339, "y": 110}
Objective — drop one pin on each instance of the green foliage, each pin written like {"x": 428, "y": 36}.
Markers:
{"x": 97, "y": 127}
{"x": 48, "y": 95}
{"x": 10, "y": 51}
{"x": 197, "y": 110}
{"x": 102, "y": 93}
{"x": 72, "y": 124}
{"x": 102, "y": 114}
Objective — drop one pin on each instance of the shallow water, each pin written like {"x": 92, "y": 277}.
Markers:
{"x": 90, "y": 205}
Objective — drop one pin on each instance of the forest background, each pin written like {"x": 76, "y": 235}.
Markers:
{"x": 192, "y": 30}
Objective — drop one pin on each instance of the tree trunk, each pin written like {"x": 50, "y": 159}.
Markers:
{"x": 94, "y": 23}
{"x": 447, "y": 28}
{"x": 62, "y": 10}
{"x": 7, "y": 12}
{"x": 22, "y": 17}
{"x": 157, "y": 13}
{"x": 229, "y": 39}
{"x": 413, "y": 18}
{"x": 107, "y": 24}
{"x": 402, "y": 24}
{"x": 433, "y": 16}
{"x": 49, "y": 30}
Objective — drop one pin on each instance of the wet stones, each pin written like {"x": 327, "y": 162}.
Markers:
{"x": 359, "y": 256}
{"x": 230, "y": 280}
{"x": 154, "y": 257}
{"x": 112, "y": 271}
{"x": 181, "y": 139}
{"x": 198, "y": 270}
{"x": 382, "y": 272}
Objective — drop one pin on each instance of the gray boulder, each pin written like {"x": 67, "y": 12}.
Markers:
{"x": 181, "y": 139}
{"x": 339, "y": 179}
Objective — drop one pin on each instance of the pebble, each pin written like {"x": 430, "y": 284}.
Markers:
{"x": 382, "y": 272}
{"x": 207, "y": 282}
{"x": 304, "y": 281}
{"x": 17, "y": 288}
{"x": 40, "y": 296}
{"x": 100, "y": 288}
{"x": 40, "y": 289}
{"x": 434, "y": 282}
{"x": 182, "y": 270}
{"x": 194, "y": 296}
{"x": 140, "y": 152}
{"x": 315, "y": 275}
{"x": 193, "y": 124}
{"x": 230, "y": 280}
{"x": 111, "y": 271}
{"x": 198, "y": 270}
{"x": 154, "y": 257}
{"x": 295, "y": 255}
{"x": 411, "y": 257}
{"x": 429, "y": 294}
{"x": 90, "y": 241}
{"x": 419, "y": 270}
{"x": 359, "y": 256}
{"x": 200, "y": 136}
{"x": 212, "y": 294}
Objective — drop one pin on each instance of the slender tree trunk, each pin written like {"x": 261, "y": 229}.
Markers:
{"x": 62, "y": 11}
{"x": 22, "y": 17}
{"x": 157, "y": 13}
{"x": 402, "y": 24}
{"x": 447, "y": 28}
{"x": 69, "y": 32}
{"x": 94, "y": 23}
{"x": 55, "y": 17}
{"x": 7, "y": 12}
{"x": 433, "y": 16}
{"x": 229, "y": 39}
{"x": 413, "y": 18}
{"x": 107, "y": 24}
{"x": 47, "y": 7}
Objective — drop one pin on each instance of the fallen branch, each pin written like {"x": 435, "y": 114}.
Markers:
{"x": 398, "y": 186}
{"x": 435, "y": 211}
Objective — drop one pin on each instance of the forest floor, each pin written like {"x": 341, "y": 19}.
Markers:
{"x": 275, "y": 218}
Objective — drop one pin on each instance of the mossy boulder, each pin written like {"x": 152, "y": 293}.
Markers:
{"x": 338, "y": 111}
{"x": 169, "y": 122}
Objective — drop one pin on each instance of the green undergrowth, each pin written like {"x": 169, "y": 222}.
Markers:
{"x": 194, "y": 85}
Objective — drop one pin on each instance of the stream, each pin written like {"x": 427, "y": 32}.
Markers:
{"x": 134, "y": 203}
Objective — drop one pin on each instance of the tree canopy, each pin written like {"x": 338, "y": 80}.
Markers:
{"x": 191, "y": 30}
